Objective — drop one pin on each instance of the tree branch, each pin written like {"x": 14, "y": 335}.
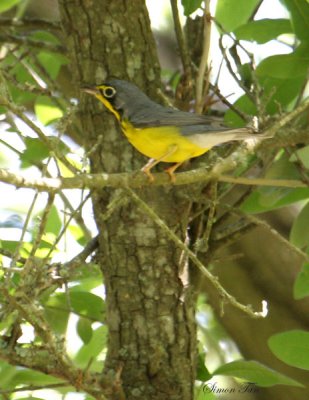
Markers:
{"x": 201, "y": 90}
{"x": 30, "y": 24}
{"x": 183, "y": 48}
{"x": 137, "y": 179}
{"x": 26, "y": 41}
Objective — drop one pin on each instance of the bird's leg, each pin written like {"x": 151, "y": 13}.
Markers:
{"x": 152, "y": 162}
{"x": 170, "y": 171}
{"x": 147, "y": 167}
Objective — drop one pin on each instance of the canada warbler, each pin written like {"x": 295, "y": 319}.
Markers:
{"x": 162, "y": 133}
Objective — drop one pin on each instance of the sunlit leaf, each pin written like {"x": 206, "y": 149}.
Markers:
{"x": 51, "y": 62}
{"x": 285, "y": 66}
{"x": 7, "y": 4}
{"x": 299, "y": 10}
{"x": 245, "y": 105}
{"x": 35, "y": 151}
{"x": 83, "y": 303}
{"x": 263, "y": 30}
{"x": 190, "y": 6}
{"x": 299, "y": 235}
{"x": 202, "y": 373}
{"x": 84, "y": 330}
{"x": 254, "y": 372}
{"x": 270, "y": 198}
{"x": 291, "y": 347}
{"x": 46, "y": 110}
{"x": 301, "y": 285}
{"x": 92, "y": 349}
{"x": 231, "y": 14}
{"x": 301, "y": 155}
{"x": 54, "y": 223}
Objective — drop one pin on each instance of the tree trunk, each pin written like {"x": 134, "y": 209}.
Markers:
{"x": 150, "y": 311}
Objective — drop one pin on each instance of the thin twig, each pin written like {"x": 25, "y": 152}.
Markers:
{"x": 24, "y": 230}
{"x": 19, "y": 113}
{"x": 200, "y": 88}
{"x": 27, "y": 87}
{"x": 262, "y": 182}
{"x": 41, "y": 231}
{"x": 225, "y": 101}
{"x": 249, "y": 222}
{"x": 8, "y": 254}
{"x": 232, "y": 72}
{"x": 30, "y": 24}
{"x": 31, "y": 388}
{"x": 35, "y": 44}
{"x": 203, "y": 243}
{"x": 183, "y": 48}
{"x": 276, "y": 234}
{"x": 65, "y": 227}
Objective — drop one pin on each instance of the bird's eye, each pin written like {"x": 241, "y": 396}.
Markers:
{"x": 109, "y": 92}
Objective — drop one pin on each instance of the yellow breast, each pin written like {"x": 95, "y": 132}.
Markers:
{"x": 155, "y": 142}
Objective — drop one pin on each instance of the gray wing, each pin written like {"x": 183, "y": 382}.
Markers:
{"x": 201, "y": 130}
{"x": 153, "y": 114}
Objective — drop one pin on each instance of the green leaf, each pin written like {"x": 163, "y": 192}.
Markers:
{"x": 204, "y": 392}
{"x": 7, "y": 4}
{"x": 231, "y": 14}
{"x": 202, "y": 373}
{"x": 301, "y": 285}
{"x": 52, "y": 62}
{"x": 31, "y": 377}
{"x": 299, "y": 235}
{"x": 89, "y": 277}
{"x": 59, "y": 305}
{"x": 281, "y": 92}
{"x": 301, "y": 155}
{"x": 46, "y": 110}
{"x": 282, "y": 77}
{"x": 53, "y": 223}
{"x": 275, "y": 91}
{"x": 257, "y": 202}
{"x": 270, "y": 198}
{"x": 92, "y": 349}
{"x": 245, "y": 105}
{"x": 84, "y": 330}
{"x": 280, "y": 169}
{"x": 255, "y": 372}
{"x": 263, "y": 30}
{"x": 35, "y": 151}
{"x": 245, "y": 72}
{"x": 299, "y": 10}
{"x": 31, "y": 398}
{"x": 285, "y": 66}
{"x": 190, "y": 6}
{"x": 10, "y": 245}
{"x": 57, "y": 316}
{"x": 78, "y": 234}
{"x": 7, "y": 373}
{"x": 291, "y": 347}
{"x": 83, "y": 303}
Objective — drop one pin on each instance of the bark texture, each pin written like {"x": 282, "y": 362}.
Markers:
{"x": 150, "y": 313}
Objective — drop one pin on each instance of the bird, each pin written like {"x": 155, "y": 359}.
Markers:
{"x": 163, "y": 134}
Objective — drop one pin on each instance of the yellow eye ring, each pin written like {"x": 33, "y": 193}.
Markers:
{"x": 109, "y": 92}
